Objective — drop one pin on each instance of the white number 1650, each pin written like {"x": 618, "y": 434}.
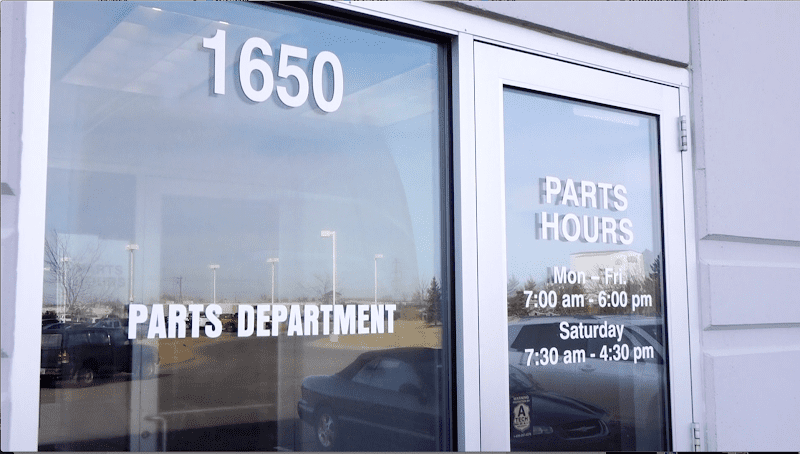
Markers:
{"x": 248, "y": 64}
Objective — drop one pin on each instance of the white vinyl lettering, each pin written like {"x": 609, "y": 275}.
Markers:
{"x": 158, "y": 326}
{"x": 246, "y": 323}
{"x": 249, "y": 64}
{"x": 214, "y": 327}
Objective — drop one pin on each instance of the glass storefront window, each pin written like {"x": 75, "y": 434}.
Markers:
{"x": 585, "y": 293}
{"x": 245, "y": 243}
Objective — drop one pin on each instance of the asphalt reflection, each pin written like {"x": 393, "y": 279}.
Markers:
{"x": 221, "y": 394}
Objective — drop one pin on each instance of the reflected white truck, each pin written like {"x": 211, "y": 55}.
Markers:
{"x": 621, "y": 372}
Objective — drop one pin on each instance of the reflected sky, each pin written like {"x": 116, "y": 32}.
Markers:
{"x": 141, "y": 150}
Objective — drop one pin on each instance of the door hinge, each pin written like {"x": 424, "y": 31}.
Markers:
{"x": 696, "y": 440}
{"x": 684, "y": 133}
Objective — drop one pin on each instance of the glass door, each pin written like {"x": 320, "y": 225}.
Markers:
{"x": 581, "y": 271}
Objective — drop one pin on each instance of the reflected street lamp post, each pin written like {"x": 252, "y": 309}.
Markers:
{"x": 131, "y": 247}
{"x": 377, "y": 256}
{"x": 273, "y": 261}
{"x": 62, "y": 289}
{"x": 332, "y": 234}
{"x": 214, "y": 268}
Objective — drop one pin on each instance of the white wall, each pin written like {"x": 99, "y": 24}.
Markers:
{"x": 659, "y": 30}
{"x": 745, "y": 61}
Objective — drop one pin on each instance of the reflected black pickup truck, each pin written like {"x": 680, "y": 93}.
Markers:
{"x": 81, "y": 354}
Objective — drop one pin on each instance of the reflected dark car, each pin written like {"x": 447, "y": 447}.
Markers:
{"x": 384, "y": 399}
{"x": 390, "y": 399}
{"x": 81, "y": 354}
{"x": 229, "y": 322}
{"x": 109, "y": 322}
{"x": 58, "y": 325}
{"x": 545, "y": 421}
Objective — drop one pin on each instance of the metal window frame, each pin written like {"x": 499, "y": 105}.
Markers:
{"x": 463, "y": 29}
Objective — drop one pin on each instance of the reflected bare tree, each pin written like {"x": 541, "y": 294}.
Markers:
{"x": 418, "y": 296}
{"x": 567, "y": 290}
{"x": 323, "y": 288}
{"x": 322, "y": 285}
{"x": 518, "y": 304}
{"x": 70, "y": 267}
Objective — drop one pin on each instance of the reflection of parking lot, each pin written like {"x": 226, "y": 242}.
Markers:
{"x": 246, "y": 388}
{"x": 100, "y": 413}
{"x": 212, "y": 394}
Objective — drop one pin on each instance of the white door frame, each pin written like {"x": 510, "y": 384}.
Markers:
{"x": 495, "y": 68}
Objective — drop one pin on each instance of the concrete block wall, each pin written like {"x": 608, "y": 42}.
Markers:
{"x": 745, "y": 59}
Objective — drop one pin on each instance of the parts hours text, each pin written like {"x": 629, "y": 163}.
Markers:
{"x": 248, "y": 64}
